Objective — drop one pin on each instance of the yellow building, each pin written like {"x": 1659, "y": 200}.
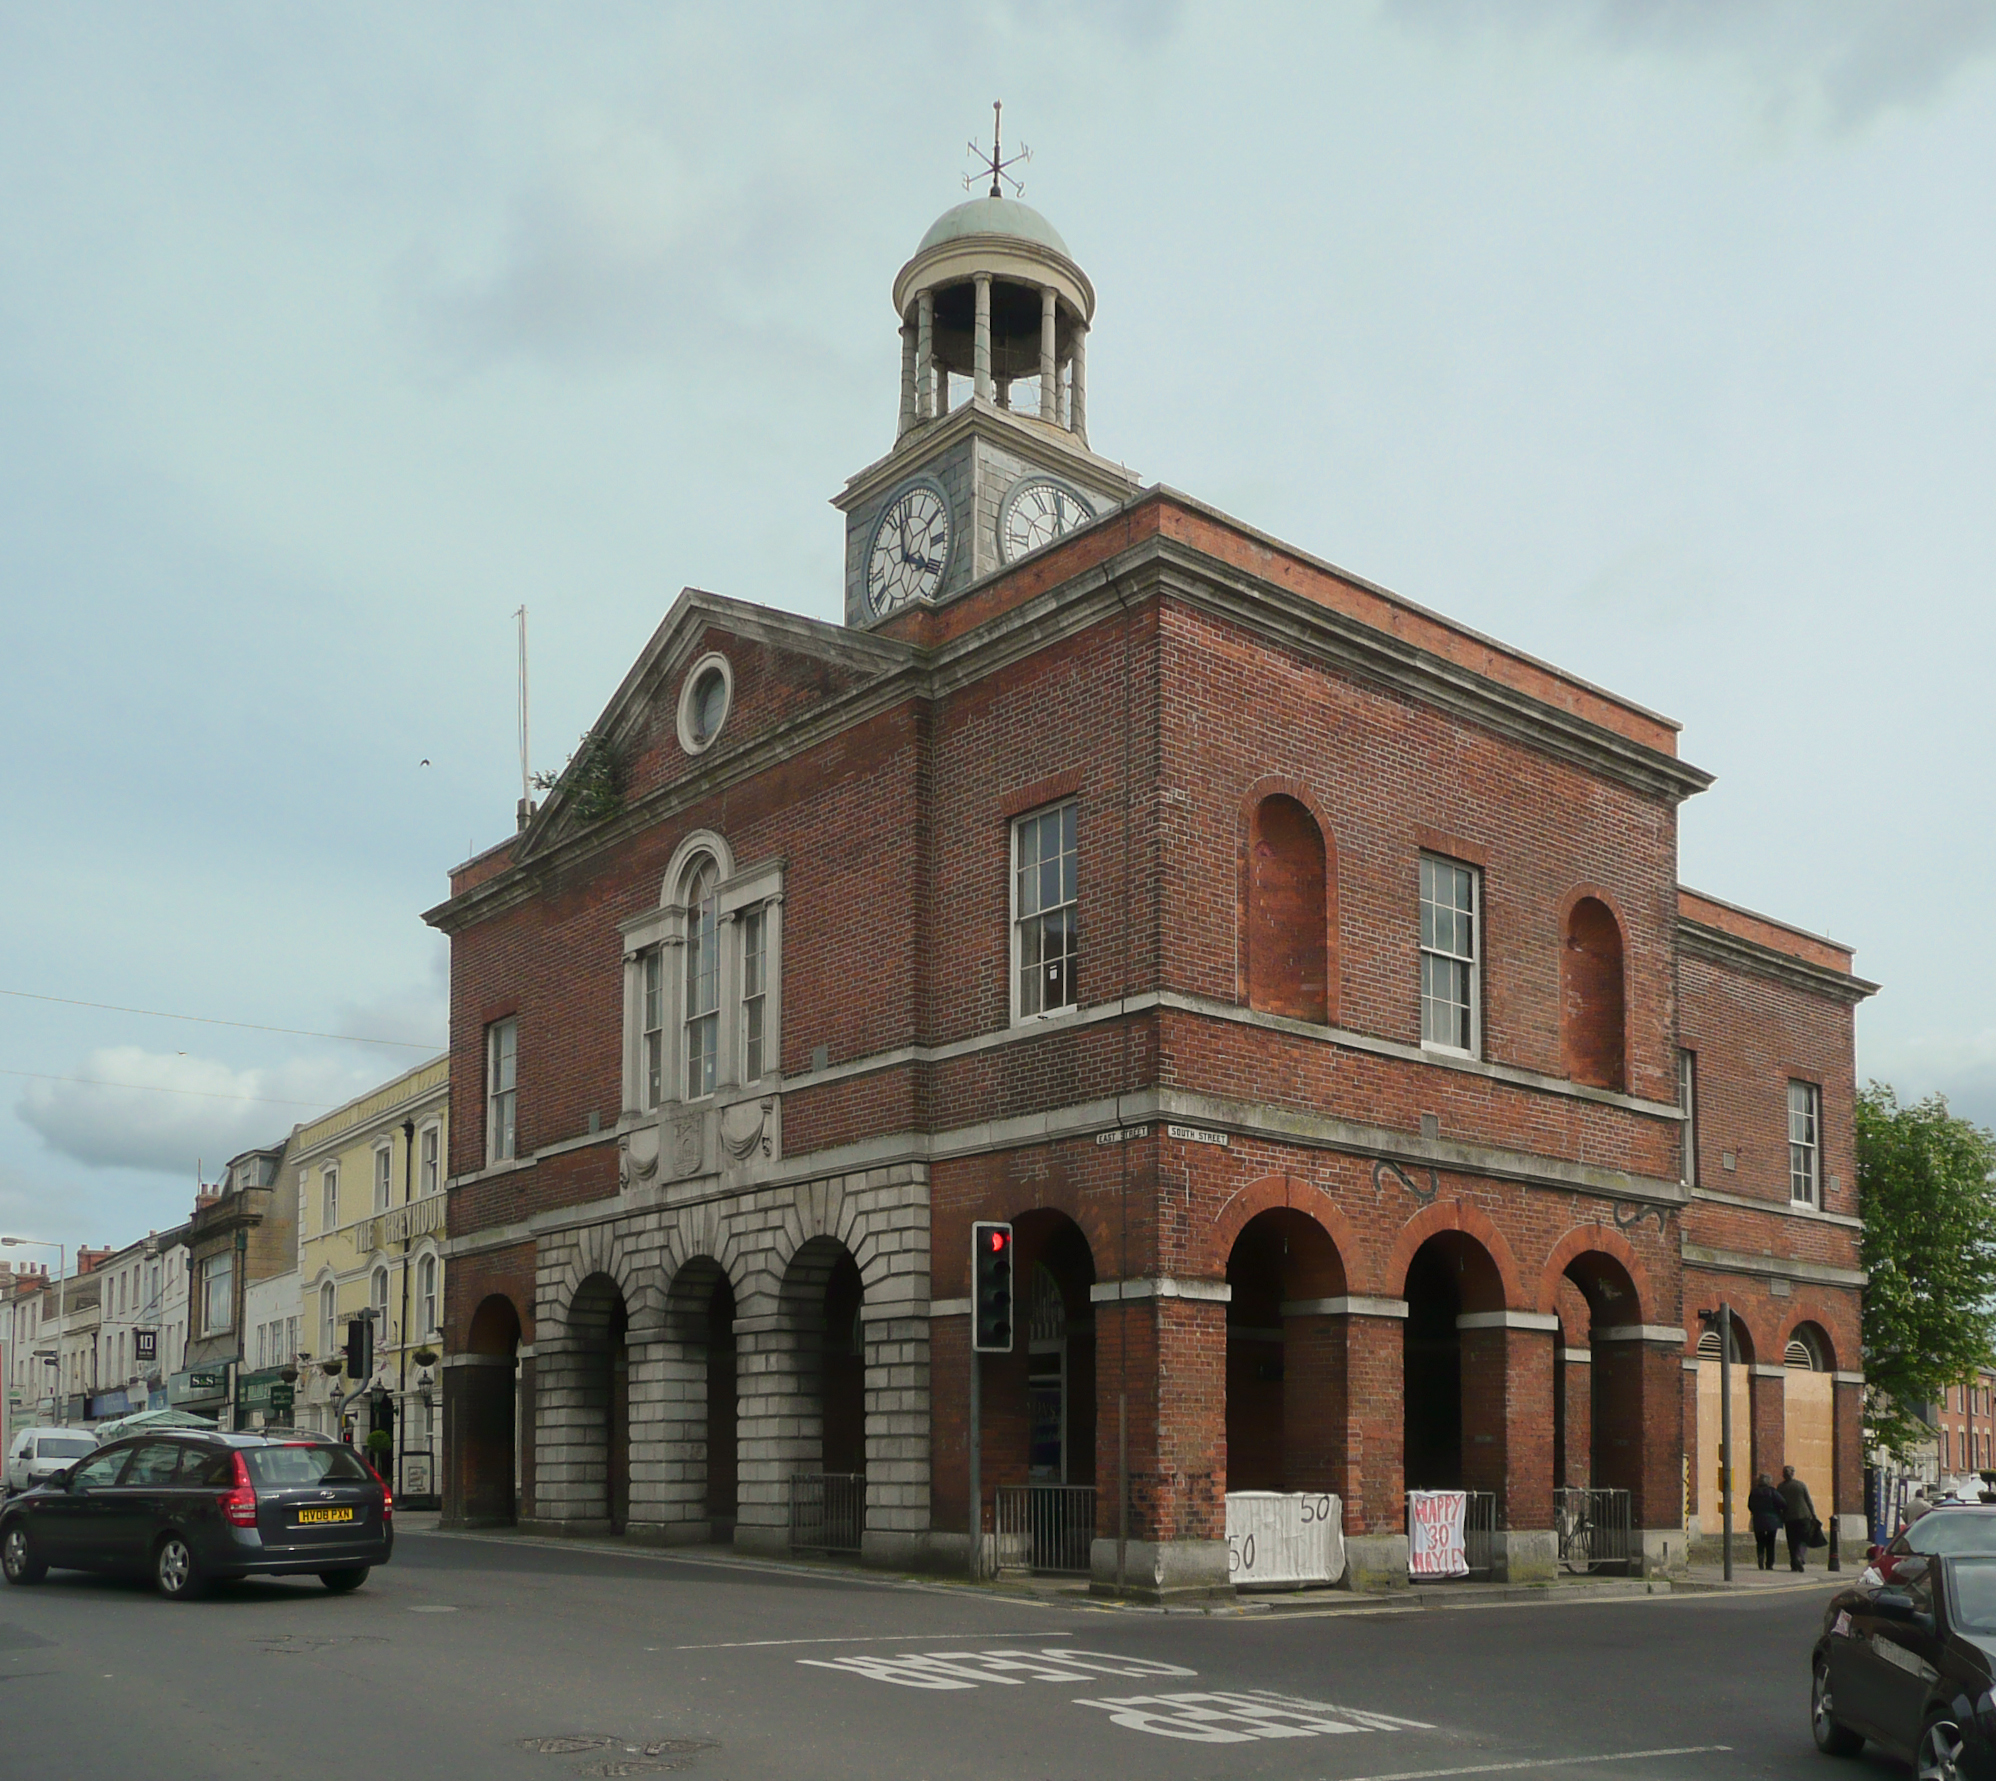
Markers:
{"x": 370, "y": 1182}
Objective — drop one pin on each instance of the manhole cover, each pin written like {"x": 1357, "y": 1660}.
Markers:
{"x": 303, "y": 1644}
{"x": 658, "y": 1757}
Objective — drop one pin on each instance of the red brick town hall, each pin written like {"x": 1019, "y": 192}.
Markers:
{"x": 1304, "y": 977}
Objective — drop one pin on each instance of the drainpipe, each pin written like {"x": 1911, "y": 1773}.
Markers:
{"x": 402, "y": 1373}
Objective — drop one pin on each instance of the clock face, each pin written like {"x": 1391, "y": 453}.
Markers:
{"x": 910, "y": 549}
{"x": 1037, "y": 511}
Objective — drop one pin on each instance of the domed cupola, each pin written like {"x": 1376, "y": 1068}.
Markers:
{"x": 991, "y": 459}
{"x": 993, "y": 296}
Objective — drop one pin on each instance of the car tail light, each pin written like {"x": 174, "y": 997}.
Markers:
{"x": 238, "y": 1503}
{"x": 387, "y": 1502}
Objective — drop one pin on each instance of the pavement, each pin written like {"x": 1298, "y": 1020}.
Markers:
{"x": 501, "y": 1657}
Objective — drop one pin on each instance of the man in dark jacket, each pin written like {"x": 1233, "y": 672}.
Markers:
{"x": 1765, "y": 1512}
{"x": 1797, "y": 1515}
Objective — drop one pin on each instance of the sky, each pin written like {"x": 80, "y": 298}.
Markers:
{"x": 1651, "y": 336}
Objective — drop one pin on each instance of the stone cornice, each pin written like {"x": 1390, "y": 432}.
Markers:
{"x": 1153, "y": 567}
{"x": 1775, "y": 1267}
{"x": 1718, "y": 947}
{"x": 1053, "y": 447}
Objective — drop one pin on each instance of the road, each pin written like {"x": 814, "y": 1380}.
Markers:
{"x": 502, "y": 1659}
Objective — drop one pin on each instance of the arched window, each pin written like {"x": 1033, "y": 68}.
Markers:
{"x": 703, "y": 978}
{"x": 1288, "y": 949}
{"x": 426, "y": 1295}
{"x": 329, "y": 1334}
{"x": 378, "y": 1297}
{"x": 1591, "y": 995}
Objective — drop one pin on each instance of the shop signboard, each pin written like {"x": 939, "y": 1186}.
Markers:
{"x": 265, "y": 1392}
{"x": 199, "y": 1385}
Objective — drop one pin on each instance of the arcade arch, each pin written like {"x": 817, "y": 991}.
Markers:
{"x": 1286, "y": 1389}
{"x": 487, "y": 1408}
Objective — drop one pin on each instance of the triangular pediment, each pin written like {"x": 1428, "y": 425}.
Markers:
{"x": 781, "y": 669}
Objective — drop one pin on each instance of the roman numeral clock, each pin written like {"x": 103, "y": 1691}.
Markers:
{"x": 990, "y": 461}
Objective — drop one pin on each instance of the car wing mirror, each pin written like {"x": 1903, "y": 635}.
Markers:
{"x": 1894, "y": 1604}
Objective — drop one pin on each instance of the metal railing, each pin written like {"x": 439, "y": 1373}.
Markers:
{"x": 827, "y": 1511}
{"x": 1595, "y": 1528}
{"x": 1046, "y": 1528}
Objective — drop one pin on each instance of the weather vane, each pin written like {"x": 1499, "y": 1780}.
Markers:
{"x": 996, "y": 162}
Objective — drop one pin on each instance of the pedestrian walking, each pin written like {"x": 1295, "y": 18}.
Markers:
{"x": 1798, "y": 1515}
{"x": 1765, "y": 1513}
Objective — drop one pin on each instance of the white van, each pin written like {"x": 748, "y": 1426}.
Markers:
{"x": 38, "y": 1454}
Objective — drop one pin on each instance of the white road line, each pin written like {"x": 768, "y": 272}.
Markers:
{"x": 1543, "y": 1762}
{"x": 862, "y": 1639}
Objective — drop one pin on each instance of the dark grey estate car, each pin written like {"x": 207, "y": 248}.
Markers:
{"x": 187, "y": 1508}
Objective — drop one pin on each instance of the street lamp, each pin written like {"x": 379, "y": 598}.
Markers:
{"x": 61, "y": 1311}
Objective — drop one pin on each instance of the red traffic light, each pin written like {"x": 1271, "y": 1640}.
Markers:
{"x": 998, "y": 1240}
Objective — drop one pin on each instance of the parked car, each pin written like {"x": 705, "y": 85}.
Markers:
{"x": 1945, "y": 1531}
{"x": 38, "y": 1454}
{"x": 1908, "y": 1664}
{"x": 188, "y": 1508}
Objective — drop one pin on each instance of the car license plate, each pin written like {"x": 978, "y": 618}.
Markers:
{"x": 307, "y": 1516}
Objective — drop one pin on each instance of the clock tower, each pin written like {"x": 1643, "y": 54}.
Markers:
{"x": 990, "y": 460}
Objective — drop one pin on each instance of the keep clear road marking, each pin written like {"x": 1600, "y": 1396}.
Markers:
{"x": 1544, "y": 1762}
{"x": 1201, "y": 1717}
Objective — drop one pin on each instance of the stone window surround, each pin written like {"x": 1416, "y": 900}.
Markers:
{"x": 665, "y": 927}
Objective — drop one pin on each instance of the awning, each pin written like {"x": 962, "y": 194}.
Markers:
{"x": 152, "y": 1419}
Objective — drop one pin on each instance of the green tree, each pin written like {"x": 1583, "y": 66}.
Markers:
{"x": 1929, "y": 1205}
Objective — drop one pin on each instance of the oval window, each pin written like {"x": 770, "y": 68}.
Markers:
{"x": 709, "y": 705}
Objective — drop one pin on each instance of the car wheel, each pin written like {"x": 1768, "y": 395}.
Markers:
{"x": 339, "y": 1582}
{"x": 1832, "y": 1737}
{"x": 1940, "y": 1751}
{"x": 176, "y": 1573}
{"x": 18, "y": 1557}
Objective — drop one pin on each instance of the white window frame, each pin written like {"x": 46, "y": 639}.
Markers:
{"x": 329, "y": 1319}
{"x": 1687, "y": 1104}
{"x": 209, "y": 1274}
{"x": 502, "y": 1105}
{"x": 329, "y": 1198}
{"x": 378, "y": 1299}
{"x": 1022, "y": 1014}
{"x": 662, "y": 932}
{"x": 1473, "y": 959}
{"x": 429, "y": 1305}
{"x": 430, "y": 1154}
{"x": 1805, "y": 1144}
{"x": 384, "y": 1175}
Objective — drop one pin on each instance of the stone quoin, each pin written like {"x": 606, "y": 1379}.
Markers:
{"x": 1304, "y": 976}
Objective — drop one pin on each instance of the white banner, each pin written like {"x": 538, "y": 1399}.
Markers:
{"x": 1434, "y": 1533}
{"x": 1284, "y": 1537}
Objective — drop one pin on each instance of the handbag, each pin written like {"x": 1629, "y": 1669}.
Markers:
{"x": 1816, "y": 1535}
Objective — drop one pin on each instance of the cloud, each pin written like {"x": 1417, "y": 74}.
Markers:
{"x": 1843, "y": 61}
{"x": 1961, "y": 1067}
{"x": 172, "y": 1108}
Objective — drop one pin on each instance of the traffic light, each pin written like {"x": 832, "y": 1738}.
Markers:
{"x": 991, "y": 1288}
{"x": 360, "y": 1349}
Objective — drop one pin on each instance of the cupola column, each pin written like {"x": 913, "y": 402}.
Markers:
{"x": 925, "y": 336}
{"x": 1078, "y": 407}
{"x": 908, "y": 363}
{"x": 980, "y": 350}
{"x": 1049, "y": 368}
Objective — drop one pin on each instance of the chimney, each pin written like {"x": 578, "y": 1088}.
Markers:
{"x": 88, "y": 1260}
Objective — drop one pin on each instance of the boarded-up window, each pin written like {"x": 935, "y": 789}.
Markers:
{"x": 1591, "y": 995}
{"x": 1289, "y": 959}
